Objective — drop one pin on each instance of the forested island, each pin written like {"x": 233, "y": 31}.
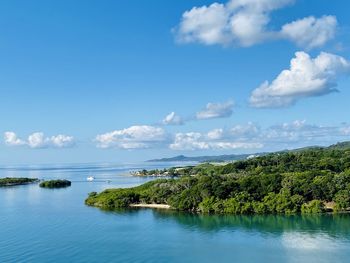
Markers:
{"x": 314, "y": 180}
{"x": 55, "y": 184}
{"x": 16, "y": 181}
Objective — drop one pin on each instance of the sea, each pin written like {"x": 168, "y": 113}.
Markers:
{"x": 54, "y": 225}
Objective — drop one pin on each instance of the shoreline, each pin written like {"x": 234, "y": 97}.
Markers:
{"x": 155, "y": 206}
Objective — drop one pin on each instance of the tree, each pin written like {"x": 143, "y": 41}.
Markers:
{"x": 313, "y": 207}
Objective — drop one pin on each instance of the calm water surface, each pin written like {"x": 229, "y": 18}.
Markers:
{"x": 43, "y": 225}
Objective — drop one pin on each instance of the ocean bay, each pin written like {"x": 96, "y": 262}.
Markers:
{"x": 44, "y": 225}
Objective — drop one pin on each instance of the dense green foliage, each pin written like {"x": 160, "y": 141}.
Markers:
{"x": 285, "y": 183}
{"x": 55, "y": 184}
{"x": 16, "y": 181}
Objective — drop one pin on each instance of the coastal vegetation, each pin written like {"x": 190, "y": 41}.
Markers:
{"x": 16, "y": 181}
{"x": 152, "y": 173}
{"x": 176, "y": 171}
{"x": 309, "y": 181}
{"x": 55, "y": 184}
{"x": 170, "y": 172}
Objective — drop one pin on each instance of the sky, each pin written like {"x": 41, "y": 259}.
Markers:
{"x": 120, "y": 81}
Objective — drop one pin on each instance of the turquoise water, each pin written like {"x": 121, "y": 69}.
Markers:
{"x": 43, "y": 225}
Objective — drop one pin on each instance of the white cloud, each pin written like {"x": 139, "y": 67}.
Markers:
{"x": 210, "y": 141}
{"x": 237, "y": 132}
{"x": 38, "y": 140}
{"x": 62, "y": 141}
{"x": 345, "y": 131}
{"x": 211, "y": 111}
{"x": 250, "y": 18}
{"x": 300, "y": 133}
{"x": 249, "y": 129}
{"x": 310, "y": 32}
{"x": 246, "y": 22}
{"x": 207, "y": 25}
{"x": 135, "y": 137}
{"x": 294, "y": 131}
{"x": 11, "y": 139}
{"x": 172, "y": 119}
{"x": 189, "y": 141}
{"x": 307, "y": 77}
{"x": 250, "y": 136}
{"x": 215, "y": 134}
{"x": 216, "y": 110}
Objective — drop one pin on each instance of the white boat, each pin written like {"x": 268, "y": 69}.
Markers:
{"x": 90, "y": 178}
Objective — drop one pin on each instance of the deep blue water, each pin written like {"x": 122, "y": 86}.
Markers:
{"x": 43, "y": 225}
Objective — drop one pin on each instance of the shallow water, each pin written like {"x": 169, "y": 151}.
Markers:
{"x": 43, "y": 225}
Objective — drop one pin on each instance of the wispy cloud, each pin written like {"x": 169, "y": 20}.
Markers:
{"x": 39, "y": 140}
{"x": 306, "y": 77}
{"x": 216, "y": 110}
{"x": 300, "y": 131}
{"x": 172, "y": 119}
{"x": 246, "y": 23}
{"x": 213, "y": 110}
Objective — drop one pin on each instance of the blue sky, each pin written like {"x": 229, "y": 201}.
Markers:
{"x": 105, "y": 74}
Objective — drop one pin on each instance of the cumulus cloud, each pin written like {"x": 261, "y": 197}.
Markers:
{"x": 39, "y": 140}
{"x": 237, "y": 132}
{"x": 62, "y": 141}
{"x": 134, "y": 137}
{"x": 216, "y": 134}
{"x": 246, "y": 22}
{"x": 172, "y": 119}
{"x": 216, "y": 110}
{"x": 310, "y": 32}
{"x": 306, "y": 77}
{"x": 249, "y": 129}
{"x": 12, "y": 139}
{"x": 210, "y": 141}
{"x": 207, "y": 25}
{"x": 293, "y": 134}
{"x": 189, "y": 141}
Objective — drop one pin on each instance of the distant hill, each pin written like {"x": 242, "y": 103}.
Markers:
{"x": 218, "y": 158}
{"x": 304, "y": 149}
{"x": 340, "y": 146}
{"x": 238, "y": 157}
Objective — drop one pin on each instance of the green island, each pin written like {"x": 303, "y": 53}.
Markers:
{"x": 55, "y": 184}
{"x": 16, "y": 181}
{"x": 314, "y": 180}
